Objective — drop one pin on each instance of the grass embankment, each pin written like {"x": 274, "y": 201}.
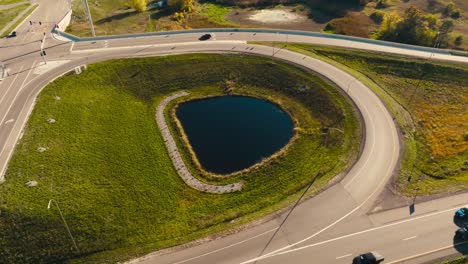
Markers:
{"x": 7, "y": 15}
{"x": 107, "y": 166}
{"x": 9, "y": 2}
{"x": 428, "y": 100}
{"x": 113, "y": 17}
{"x": 20, "y": 20}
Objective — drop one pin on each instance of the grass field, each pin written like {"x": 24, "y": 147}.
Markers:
{"x": 8, "y": 2}
{"x": 107, "y": 167}
{"x": 429, "y": 102}
{"x": 7, "y": 15}
{"x": 116, "y": 17}
{"x": 20, "y": 20}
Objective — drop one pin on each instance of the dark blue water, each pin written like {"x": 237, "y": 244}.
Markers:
{"x": 231, "y": 133}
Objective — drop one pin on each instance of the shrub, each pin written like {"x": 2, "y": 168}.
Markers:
{"x": 139, "y": 5}
{"x": 456, "y": 13}
{"x": 381, "y": 4}
{"x": 458, "y": 40}
{"x": 449, "y": 8}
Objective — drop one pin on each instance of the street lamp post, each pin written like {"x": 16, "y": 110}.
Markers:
{"x": 64, "y": 222}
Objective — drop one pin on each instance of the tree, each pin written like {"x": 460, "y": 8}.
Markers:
{"x": 449, "y": 8}
{"x": 139, "y": 5}
{"x": 444, "y": 30}
{"x": 413, "y": 28}
{"x": 458, "y": 40}
{"x": 388, "y": 28}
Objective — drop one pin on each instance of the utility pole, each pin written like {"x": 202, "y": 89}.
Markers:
{"x": 43, "y": 53}
{"x": 90, "y": 20}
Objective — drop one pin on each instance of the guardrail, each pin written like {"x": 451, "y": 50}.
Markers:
{"x": 257, "y": 30}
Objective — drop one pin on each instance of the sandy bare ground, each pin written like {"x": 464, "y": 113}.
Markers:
{"x": 276, "y": 16}
{"x": 284, "y": 18}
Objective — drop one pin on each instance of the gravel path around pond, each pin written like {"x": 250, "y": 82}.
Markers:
{"x": 176, "y": 158}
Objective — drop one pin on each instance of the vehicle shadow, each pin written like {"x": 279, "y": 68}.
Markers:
{"x": 460, "y": 245}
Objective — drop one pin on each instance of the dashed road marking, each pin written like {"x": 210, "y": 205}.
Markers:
{"x": 9, "y": 121}
{"x": 344, "y": 256}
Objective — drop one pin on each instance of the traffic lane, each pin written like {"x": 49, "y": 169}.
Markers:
{"x": 381, "y": 148}
{"x": 132, "y": 42}
{"x": 282, "y": 38}
{"x": 395, "y": 241}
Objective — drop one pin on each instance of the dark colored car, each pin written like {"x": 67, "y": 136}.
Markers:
{"x": 12, "y": 34}
{"x": 368, "y": 258}
{"x": 205, "y": 37}
{"x": 462, "y": 232}
{"x": 462, "y": 213}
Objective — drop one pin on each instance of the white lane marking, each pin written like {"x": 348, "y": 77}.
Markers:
{"x": 369, "y": 157}
{"x": 71, "y": 47}
{"x": 383, "y": 181}
{"x": 344, "y": 256}
{"x": 427, "y": 252}
{"x": 9, "y": 121}
{"x": 361, "y": 232}
{"x": 11, "y": 84}
{"x": 226, "y": 247}
{"x": 17, "y": 92}
{"x": 409, "y": 238}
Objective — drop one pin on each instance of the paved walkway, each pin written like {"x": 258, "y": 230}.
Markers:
{"x": 18, "y": 17}
{"x": 176, "y": 158}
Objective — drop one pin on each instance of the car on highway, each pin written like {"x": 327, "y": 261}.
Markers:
{"x": 368, "y": 258}
{"x": 462, "y": 232}
{"x": 462, "y": 213}
{"x": 12, "y": 35}
{"x": 206, "y": 36}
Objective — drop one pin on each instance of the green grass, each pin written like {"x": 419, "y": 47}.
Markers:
{"x": 6, "y": 16}
{"x": 216, "y": 14}
{"x": 107, "y": 165}
{"x": 8, "y": 2}
{"x": 23, "y": 17}
{"x": 429, "y": 103}
{"x": 460, "y": 260}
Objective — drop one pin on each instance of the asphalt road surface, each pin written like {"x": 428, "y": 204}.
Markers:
{"x": 330, "y": 228}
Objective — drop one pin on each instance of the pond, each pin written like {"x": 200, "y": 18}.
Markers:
{"x": 231, "y": 133}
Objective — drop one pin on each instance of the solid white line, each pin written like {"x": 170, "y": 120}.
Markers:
{"x": 359, "y": 233}
{"x": 16, "y": 95}
{"x": 71, "y": 47}
{"x": 226, "y": 247}
{"x": 409, "y": 238}
{"x": 11, "y": 84}
{"x": 383, "y": 181}
{"x": 427, "y": 253}
{"x": 344, "y": 256}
